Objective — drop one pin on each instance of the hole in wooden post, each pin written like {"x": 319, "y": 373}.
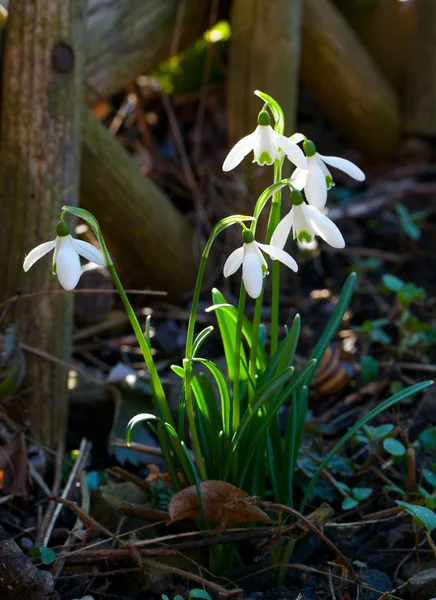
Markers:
{"x": 63, "y": 58}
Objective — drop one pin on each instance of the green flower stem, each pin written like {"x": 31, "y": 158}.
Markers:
{"x": 188, "y": 364}
{"x": 274, "y": 219}
{"x": 236, "y": 408}
{"x": 156, "y": 384}
{"x": 223, "y": 224}
{"x": 252, "y": 361}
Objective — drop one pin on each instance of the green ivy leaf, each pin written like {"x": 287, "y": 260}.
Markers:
{"x": 421, "y": 515}
{"x": 46, "y": 555}
{"x": 428, "y": 438}
{"x": 369, "y": 368}
{"x": 394, "y": 447}
{"x": 361, "y": 494}
{"x": 430, "y": 477}
{"x": 349, "y": 503}
{"x": 410, "y": 228}
{"x": 197, "y": 593}
{"x": 382, "y": 431}
{"x": 394, "y": 284}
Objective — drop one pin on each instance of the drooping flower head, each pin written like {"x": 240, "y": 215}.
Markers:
{"x": 266, "y": 145}
{"x": 66, "y": 261}
{"x": 306, "y": 221}
{"x": 316, "y": 179}
{"x": 254, "y": 265}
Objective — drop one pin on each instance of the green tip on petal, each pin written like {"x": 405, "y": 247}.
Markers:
{"x": 304, "y": 236}
{"x": 309, "y": 148}
{"x": 265, "y": 158}
{"x": 247, "y": 236}
{"x": 62, "y": 229}
{"x": 329, "y": 182}
{"x": 263, "y": 118}
{"x": 296, "y": 197}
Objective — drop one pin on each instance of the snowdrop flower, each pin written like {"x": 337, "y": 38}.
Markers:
{"x": 317, "y": 179}
{"x": 254, "y": 267}
{"x": 66, "y": 262}
{"x": 266, "y": 145}
{"x": 306, "y": 221}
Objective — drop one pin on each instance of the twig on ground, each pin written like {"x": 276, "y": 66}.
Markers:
{"x": 153, "y": 450}
{"x": 84, "y": 450}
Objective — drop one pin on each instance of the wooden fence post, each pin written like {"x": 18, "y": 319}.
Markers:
{"x": 420, "y": 80}
{"x": 264, "y": 55}
{"x": 42, "y": 106}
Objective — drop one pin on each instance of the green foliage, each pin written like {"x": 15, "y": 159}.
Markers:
{"x": 369, "y": 368}
{"x": 427, "y": 438}
{"x": 355, "y": 496}
{"x": 184, "y": 72}
{"x": 195, "y": 593}
{"x": 409, "y": 222}
{"x": 394, "y": 447}
{"x": 44, "y": 554}
{"x": 421, "y": 515}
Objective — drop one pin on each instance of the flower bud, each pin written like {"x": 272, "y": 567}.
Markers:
{"x": 247, "y": 236}
{"x": 309, "y": 148}
{"x": 62, "y": 229}
{"x": 263, "y": 118}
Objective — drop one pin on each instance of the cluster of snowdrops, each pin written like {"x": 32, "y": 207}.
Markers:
{"x": 235, "y": 433}
{"x": 306, "y": 219}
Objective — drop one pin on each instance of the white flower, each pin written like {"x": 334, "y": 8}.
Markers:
{"x": 254, "y": 267}
{"x": 266, "y": 145}
{"x": 66, "y": 262}
{"x": 316, "y": 179}
{"x": 307, "y": 221}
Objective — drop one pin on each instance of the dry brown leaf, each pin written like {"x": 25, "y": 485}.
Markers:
{"x": 223, "y": 503}
{"x": 155, "y": 475}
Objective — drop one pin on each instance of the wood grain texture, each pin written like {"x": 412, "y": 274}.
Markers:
{"x": 420, "y": 78}
{"x": 346, "y": 82}
{"x": 150, "y": 240}
{"x": 128, "y": 38}
{"x": 39, "y": 172}
{"x": 264, "y": 55}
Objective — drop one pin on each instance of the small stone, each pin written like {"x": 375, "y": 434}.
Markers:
{"x": 376, "y": 582}
{"x": 26, "y": 543}
{"x": 422, "y": 586}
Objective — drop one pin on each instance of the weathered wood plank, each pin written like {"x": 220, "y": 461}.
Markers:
{"x": 264, "y": 55}
{"x": 345, "y": 82}
{"x": 39, "y": 172}
{"x": 150, "y": 240}
{"x": 420, "y": 77}
{"x": 128, "y": 38}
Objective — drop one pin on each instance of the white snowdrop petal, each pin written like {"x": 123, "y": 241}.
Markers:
{"x": 281, "y": 255}
{"x": 264, "y": 146}
{"x": 344, "y": 165}
{"x": 292, "y": 151}
{"x": 324, "y": 227}
{"x": 234, "y": 261}
{"x": 38, "y": 253}
{"x": 68, "y": 268}
{"x": 282, "y": 231}
{"x": 239, "y": 152}
{"x": 89, "y": 252}
{"x": 252, "y": 274}
{"x": 299, "y": 178}
{"x": 55, "y": 253}
{"x": 316, "y": 187}
{"x": 300, "y": 222}
{"x": 326, "y": 174}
